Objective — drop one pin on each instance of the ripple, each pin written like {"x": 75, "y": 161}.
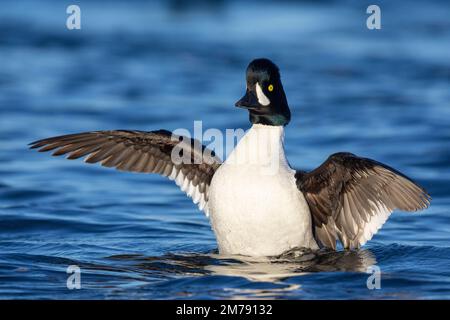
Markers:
{"x": 25, "y": 194}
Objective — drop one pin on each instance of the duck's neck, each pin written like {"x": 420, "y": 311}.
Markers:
{"x": 262, "y": 145}
{"x": 266, "y": 137}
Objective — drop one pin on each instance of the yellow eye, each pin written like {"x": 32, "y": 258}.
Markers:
{"x": 270, "y": 88}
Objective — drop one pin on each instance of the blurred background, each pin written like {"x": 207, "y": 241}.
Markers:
{"x": 382, "y": 94}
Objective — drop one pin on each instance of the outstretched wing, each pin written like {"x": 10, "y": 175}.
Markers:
{"x": 350, "y": 198}
{"x": 147, "y": 152}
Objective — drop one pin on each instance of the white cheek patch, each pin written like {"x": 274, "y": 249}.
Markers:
{"x": 262, "y": 99}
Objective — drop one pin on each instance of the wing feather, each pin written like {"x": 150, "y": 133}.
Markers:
{"x": 140, "y": 151}
{"x": 350, "y": 198}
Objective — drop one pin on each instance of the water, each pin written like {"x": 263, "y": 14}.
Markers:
{"x": 380, "y": 94}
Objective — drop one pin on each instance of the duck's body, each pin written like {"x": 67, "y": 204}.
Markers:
{"x": 258, "y": 205}
{"x": 255, "y": 206}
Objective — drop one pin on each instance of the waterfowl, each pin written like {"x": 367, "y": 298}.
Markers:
{"x": 257, "y": 204}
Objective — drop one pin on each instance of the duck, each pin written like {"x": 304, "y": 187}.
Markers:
{"x": 257, "y": 204}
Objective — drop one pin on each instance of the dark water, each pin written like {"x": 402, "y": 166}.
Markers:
{"x": 380, "y": 94}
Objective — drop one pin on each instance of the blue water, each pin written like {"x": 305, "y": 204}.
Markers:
{"x": 380, "y": 94}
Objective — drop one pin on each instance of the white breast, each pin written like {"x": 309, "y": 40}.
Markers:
{"x": 255, "y": 206}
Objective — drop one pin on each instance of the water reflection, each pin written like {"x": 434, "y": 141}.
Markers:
{"x": 293, "y": 263}
{"x": 272, "y": 270}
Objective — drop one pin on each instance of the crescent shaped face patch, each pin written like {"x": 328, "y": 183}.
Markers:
{"x": 262, "y": 99}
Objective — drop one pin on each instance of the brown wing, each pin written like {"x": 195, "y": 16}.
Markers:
{"x": 147, "y": 152}
{"x": 350, "y": 198}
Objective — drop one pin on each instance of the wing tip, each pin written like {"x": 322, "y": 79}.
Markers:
{"x": 36, "y": 144}
{"x": 423, "y": 200}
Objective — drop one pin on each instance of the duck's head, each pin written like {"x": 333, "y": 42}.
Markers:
{"x": 265, "y": 98}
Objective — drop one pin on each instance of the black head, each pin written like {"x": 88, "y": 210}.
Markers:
{"x": 265, "y": 98}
